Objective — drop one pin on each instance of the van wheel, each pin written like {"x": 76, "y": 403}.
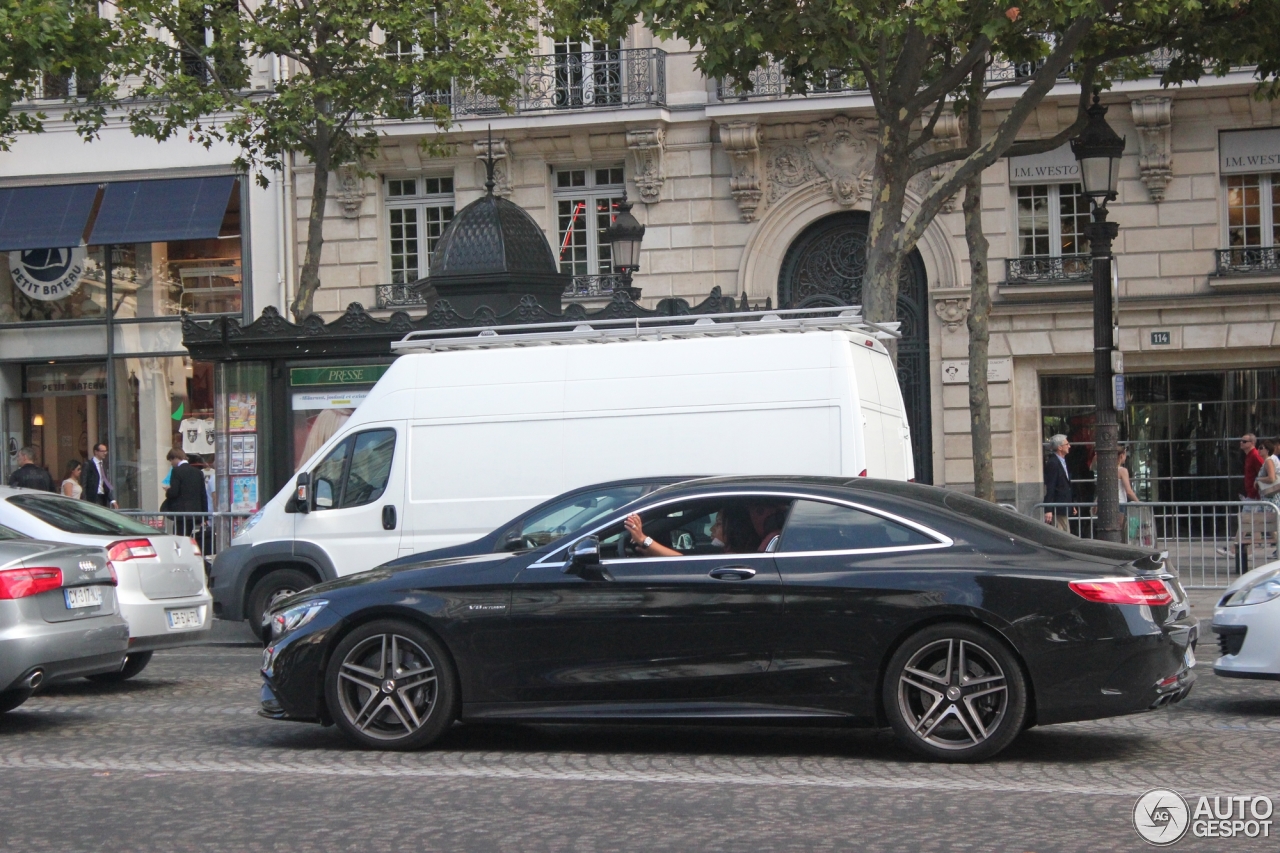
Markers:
{"x": 134, "y": 663}
{"x": 11, "y": 699}
{"x": 391, "y": 685}
{"x": 269, "y": 591}
{"x": 955, "y": 693}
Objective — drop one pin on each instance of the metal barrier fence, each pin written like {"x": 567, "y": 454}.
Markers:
{"x": 213, "y": 530}
{"x": 1207, "y": 544}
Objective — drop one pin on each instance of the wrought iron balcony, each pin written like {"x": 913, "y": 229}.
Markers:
{"x": 583, "y": 286}
{"x": 592, "y": 79}
{"x": 1063, "y": 269}
{"x": 1249, "y": 261}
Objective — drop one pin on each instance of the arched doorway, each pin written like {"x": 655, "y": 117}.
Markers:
{"x": 824, "y": 266}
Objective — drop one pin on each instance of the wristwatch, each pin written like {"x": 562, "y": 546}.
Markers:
{"x": 648, "y": 540}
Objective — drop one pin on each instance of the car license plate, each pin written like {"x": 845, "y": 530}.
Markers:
{"x": 186, "y": 618}
{"x": 83, "y": 596}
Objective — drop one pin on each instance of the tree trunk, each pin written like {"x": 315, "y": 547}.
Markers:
{"x": 309, "y": 276}
{"x": 884, "y": 256}
{"x": 984, "y": 485}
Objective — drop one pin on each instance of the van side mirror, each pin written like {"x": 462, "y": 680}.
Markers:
{"x": 584, "y": 559}
{"x": 303, "y": 494}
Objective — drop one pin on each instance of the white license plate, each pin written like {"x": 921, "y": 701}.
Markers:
{"x": 83, "y": 596}
{"x": 186, "y": 618}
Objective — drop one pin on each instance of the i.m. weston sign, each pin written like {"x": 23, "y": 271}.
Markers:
{"x": 1244, "y": 151}
{"x": 1058, "y": 166}
{"x": 358, "y": 374}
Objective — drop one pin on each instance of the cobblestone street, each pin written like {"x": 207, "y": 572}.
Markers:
{"x": 178, "y": 760}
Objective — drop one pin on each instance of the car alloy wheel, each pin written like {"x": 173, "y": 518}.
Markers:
{"x": 955, "y": 693}
{"x": 390, "y": 686}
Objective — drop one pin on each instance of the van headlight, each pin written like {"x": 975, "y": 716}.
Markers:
{"x": 249, "y": 524}
{"x": 1261, "y": 589}
{"x": 295, "y": 617}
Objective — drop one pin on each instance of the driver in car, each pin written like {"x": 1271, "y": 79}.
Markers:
{"x": 737, "y": 529}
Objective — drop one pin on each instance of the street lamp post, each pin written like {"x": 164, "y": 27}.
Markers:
{"x": 1099, "y": 150}
{"x": 624, "y": 236}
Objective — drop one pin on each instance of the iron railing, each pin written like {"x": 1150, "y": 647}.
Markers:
{"x": 1063, "y": 268}
{"x": 1248, "y": 261}
{"x": 1207, "y": 544}
{"x": 212, "y": 530}
{"x": 404, "y": 295}
{"x": 591, "y": 79}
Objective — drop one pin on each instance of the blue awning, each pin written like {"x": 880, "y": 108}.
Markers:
{"x": 159, "y": 211}
{"x": 45, "y": 217}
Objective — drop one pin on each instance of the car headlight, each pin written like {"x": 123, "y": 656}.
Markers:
{"x": 295, "y": 617}
{"x": 249, "y": 524}
{"x": 1263, "y": 588}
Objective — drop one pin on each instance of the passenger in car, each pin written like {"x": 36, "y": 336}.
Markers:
{"x": 766, "y": 521}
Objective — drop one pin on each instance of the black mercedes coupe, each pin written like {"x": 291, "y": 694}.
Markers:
{"x": 751, "y": 599}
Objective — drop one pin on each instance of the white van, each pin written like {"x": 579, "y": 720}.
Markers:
{"x": 466, "y": 430}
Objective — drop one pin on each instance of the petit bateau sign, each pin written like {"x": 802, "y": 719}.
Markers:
{"x": 47, "y": 274}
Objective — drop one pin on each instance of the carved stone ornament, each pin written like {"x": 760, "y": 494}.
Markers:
{"x": 646, "y": 147}
{"x": 501, "y": 176}
{"x": 350, "y": 191}
{"x": 952, "y": 311}
{"x": 1153, "y": 117}
{"x": 838, "y": 153}
{"x": 741, "y": 139}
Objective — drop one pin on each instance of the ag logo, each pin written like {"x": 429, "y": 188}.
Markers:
{"x": 47, "y": 274}
{"x": 1161, "y": 817}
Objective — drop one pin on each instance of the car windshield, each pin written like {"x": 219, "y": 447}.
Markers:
{"x": 568, "y": 516}
{"x": 6, "y": 533}
{"x": 72, "y": 516}
{"x": 1033, "y": 529}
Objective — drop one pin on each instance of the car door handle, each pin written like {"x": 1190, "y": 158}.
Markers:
{"x": 732, "y": 573}
{"x": 388, "y": 517}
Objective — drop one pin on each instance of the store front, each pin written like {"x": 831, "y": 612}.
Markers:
{"x": 90, "y": 329}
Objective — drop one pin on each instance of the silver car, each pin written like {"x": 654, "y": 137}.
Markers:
{"x": 162, "y": 592}
{"x": 59, "y": 618}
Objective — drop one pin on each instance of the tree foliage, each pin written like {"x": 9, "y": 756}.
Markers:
{"x": 50, "y": 41}
{"x": 343, "y": 71}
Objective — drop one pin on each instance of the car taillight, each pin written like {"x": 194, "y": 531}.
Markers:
{"x": 115, "y": 578}
{"x": 130, "y": 549}
{"x": 195, "y": 546}
{"x": 20, "y": 583}
{"x": 1123, "y": 591}
{"x": 863, "y": 473}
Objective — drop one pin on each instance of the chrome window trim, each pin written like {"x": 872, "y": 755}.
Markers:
{"x": 941, "y": 539}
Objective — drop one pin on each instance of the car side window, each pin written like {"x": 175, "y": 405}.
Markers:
{"x": 817, "y": 526}
{"x": 326, "y": 479}
{"x": 370, "y": 467}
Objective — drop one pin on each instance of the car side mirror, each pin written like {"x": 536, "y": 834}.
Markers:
{"x": 302, "y": 495}
{"x": 513, "y": 542}
{"x": 584, "y": 558}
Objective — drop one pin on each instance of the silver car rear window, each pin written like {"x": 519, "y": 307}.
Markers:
{"x": 81, "y": 517}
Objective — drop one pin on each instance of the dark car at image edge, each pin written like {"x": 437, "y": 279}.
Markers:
{"x": 953, "y": 621}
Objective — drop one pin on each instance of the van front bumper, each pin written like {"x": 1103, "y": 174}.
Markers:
{"x": 227, "y": 581}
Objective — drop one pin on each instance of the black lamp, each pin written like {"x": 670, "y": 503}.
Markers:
{"x": 624, "y": 235}
{"x": 1099, "y": 149}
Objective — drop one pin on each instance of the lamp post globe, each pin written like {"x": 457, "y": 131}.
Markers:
{"x": 624, "y": 236}
{"x": 1099, "y": 150}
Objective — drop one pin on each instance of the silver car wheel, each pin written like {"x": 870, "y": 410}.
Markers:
{"x": 953, "y": 694}
{"x": 387, "y": 687}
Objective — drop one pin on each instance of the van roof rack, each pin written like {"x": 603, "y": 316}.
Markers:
{"x": 847, "y": 317}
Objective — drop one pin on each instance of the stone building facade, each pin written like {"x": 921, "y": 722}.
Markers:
{"x": 764, "y": 194}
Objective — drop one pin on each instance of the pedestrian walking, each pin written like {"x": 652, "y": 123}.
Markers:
{"x": 1057, "y": 483}
{"x": 30, "y": 475}
{"x": 186, "y": 493}
{"x": 71, "y": 483}
{"x": 97, "y": 484}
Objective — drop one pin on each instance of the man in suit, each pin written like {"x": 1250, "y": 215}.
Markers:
{"x": 29, "y": 475}
{"x": 1057, "y": 482}
{"x": 97, "y": 484}
{"x": 186, "y": 492}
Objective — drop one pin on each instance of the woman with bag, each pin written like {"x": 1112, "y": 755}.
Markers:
{"x": 1269, "y": 477}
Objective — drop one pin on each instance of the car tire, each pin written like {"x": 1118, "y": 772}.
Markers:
{"x": 955, "y": 692}
{"x": 134, "y": 663}
{"x": 391, "y": 685}
{"x": 11, "y": 699}
{"x": 269, "y": 590}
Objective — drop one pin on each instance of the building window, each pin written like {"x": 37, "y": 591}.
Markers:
{"x": 1052, "y": 241}
{"x": 1181, "y": 429}
{"x": 418, "y": 209}
{"x": 586, "y": 202}
{"x": 587, "y": 73}
{"x": 1253, "y": 225}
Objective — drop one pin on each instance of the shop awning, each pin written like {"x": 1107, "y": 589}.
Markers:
{"x": 159, "y": 211}
{"x": 45, "y": 217}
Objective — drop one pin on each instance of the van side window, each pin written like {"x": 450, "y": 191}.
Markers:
{"x": 370, "y": 467}
{"x": 815, "y": 526}
{"x": 355, "y": 472}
